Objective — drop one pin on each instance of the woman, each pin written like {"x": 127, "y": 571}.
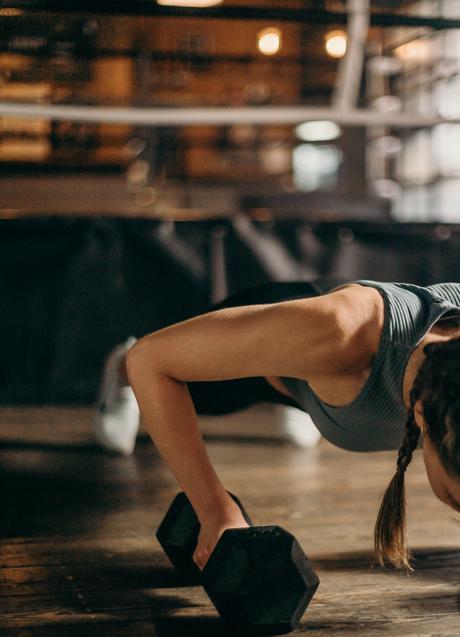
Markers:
{"x": 374, "y": 364}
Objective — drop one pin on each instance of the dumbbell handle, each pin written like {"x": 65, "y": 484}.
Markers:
{"x": 242, "y": 509}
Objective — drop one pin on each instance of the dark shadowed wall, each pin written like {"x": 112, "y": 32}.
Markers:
{"x": 73, "y": 287}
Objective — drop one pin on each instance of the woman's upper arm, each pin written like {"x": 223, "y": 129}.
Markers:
{"x": 292, "y": 338}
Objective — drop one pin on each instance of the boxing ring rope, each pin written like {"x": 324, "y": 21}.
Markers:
{"x": 148, "y": 8}
{"x": 220, "y": 116}
{"x": 346, "y": 92}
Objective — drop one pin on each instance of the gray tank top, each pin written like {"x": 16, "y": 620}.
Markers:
{"x": 375, "y": 419}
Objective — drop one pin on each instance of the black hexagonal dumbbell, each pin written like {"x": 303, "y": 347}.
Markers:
{"x": 258, "y": 578}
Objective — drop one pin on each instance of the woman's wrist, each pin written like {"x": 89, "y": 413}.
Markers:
{"x": 217, "y": 508}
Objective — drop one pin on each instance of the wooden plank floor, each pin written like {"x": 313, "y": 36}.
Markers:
{"x": 78, "y": 555}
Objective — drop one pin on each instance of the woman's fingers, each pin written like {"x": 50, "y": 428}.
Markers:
{"x": 201, "y": 556}
{"x": 210, "y": 534}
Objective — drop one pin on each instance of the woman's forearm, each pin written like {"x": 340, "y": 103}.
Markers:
{"x": 170, "y": 418}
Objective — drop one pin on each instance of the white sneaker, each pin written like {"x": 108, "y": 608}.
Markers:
{"x": 116, "y": 417}
{"x": 265, "y": 420}
{"x": 299, "y": 427}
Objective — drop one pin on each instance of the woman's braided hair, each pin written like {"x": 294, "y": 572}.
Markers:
{"x": 437, "y": 386}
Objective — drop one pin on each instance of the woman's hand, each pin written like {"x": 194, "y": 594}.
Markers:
{"x": 211, "y": 532}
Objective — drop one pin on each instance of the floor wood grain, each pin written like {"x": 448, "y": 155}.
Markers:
{"x": 78, "y": 555}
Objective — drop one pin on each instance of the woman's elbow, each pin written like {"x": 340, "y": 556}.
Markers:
{"x": 141, "y": 360}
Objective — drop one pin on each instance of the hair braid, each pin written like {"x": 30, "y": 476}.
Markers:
{"x": 441, "y": 403}
{"x": 390, "y": 545}
{"x": 437, "y": 386}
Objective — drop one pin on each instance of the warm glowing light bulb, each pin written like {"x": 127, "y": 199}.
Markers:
{"x": 10, "y": 13}
{"x": 336, "y": 43}
{"x": 199, "y": 4}
{"x": 269, "y": 41}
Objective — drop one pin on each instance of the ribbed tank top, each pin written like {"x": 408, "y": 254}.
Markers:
{"x": 375, "y": 419}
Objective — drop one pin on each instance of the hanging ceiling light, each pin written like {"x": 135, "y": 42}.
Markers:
{"x": 336, "y": 43}
{"x": 199, "y": 4}
{"x": 269, "y": 40}
{"x": 320, "y": 131}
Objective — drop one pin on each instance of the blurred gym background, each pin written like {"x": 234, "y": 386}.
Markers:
{"x": 157, "y": 156}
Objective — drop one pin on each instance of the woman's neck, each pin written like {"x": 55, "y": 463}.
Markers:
{"x": 437, "y": 334}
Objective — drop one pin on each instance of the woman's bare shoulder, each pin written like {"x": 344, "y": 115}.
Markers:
{"x": 361, "y": 312}
{"x": 350, "y": 319}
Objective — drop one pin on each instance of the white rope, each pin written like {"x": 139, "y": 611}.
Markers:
{"x": 219, "y": 116}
